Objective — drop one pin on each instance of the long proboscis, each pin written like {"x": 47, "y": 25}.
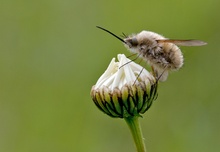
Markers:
{"x": 111, "y": 33}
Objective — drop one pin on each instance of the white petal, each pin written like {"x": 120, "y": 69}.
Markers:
{"x": 120, "y": 73}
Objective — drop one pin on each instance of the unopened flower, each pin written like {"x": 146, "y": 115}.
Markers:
{"x": 125, "y": 89}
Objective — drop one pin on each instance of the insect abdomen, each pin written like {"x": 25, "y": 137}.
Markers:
{"x": 173, "y": 56}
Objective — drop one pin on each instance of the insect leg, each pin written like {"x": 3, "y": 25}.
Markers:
{"x": 130, "y": 61}
{"x": 153, "y": 71}
{"x": 158, "y": 77}
{"x": 138, "y": 75}
{"x": 131, "y": 55}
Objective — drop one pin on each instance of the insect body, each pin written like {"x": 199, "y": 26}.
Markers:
{"x": 162, "y": 54}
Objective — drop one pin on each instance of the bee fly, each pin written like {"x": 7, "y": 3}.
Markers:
{"x": 162, "y": 54}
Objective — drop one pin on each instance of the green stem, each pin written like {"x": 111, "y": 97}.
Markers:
{"x": 135, "y": 128}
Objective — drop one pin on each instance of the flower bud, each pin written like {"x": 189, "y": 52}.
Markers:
{"x": 123, "y": 91}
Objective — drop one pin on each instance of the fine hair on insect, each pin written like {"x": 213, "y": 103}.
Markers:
{"x": 161, "y": 53}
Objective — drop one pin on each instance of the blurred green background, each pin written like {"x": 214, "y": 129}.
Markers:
{"x": 51, "y": 54}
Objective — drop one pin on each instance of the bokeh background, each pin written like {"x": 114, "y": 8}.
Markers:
{"x": 51, "y": 54}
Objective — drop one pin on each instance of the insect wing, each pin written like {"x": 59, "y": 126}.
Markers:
{"x": 183, "y": 42}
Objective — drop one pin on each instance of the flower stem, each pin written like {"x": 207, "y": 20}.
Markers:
{"x": 135, "y": 128}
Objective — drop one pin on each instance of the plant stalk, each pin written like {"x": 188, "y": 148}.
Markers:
{"x": 135, "y": 128}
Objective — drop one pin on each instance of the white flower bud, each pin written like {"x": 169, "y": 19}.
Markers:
{"x": 123, "y": 91}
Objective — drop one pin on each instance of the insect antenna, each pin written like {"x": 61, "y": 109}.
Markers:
{"x": 124, "y": 35}
{"x": 111, "y": 33}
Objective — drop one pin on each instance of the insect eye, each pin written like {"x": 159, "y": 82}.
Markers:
{"x": 132, "y": 42}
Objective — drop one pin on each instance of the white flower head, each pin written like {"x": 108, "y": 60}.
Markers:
{"x": 123, "y": 72}
{"x": 124, "y": 89}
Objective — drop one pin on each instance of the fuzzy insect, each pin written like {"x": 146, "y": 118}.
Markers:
{"x": 161, "y": 53}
